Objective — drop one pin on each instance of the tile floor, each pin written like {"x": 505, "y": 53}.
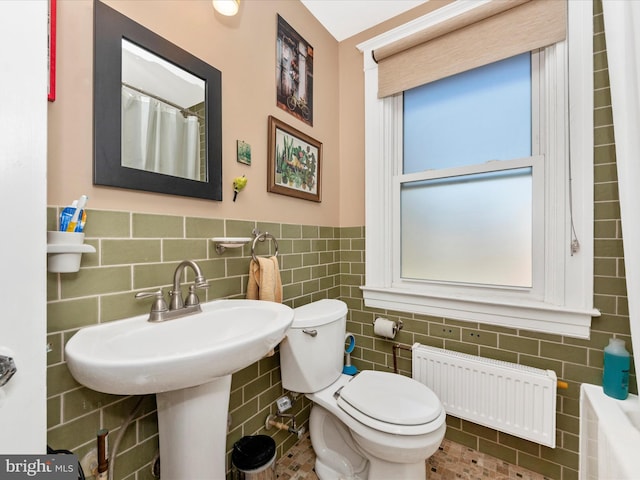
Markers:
{"x": 451, "y": 462}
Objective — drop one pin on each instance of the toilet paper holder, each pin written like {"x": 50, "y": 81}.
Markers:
{"x": 394, "y": 325}
{"x": 398, "y": 323}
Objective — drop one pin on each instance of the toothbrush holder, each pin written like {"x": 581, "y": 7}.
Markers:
{"x": 65, "y": 251}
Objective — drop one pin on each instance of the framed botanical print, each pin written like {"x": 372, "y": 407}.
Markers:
{"x": 293, "y": 162}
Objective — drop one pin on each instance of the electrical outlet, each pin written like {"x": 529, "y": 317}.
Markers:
{"x": 89, "y": 463}
{"x": 283, "y": 403}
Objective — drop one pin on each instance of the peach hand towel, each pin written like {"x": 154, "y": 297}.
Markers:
{"x": 264, "y": 280}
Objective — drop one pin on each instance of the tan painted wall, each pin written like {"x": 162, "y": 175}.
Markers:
{"x": 243, "y": 48}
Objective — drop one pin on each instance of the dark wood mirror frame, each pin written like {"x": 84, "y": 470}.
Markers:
{"x": 110, "y": 27}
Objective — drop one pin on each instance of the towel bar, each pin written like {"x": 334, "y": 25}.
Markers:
{"x": 261, "y": 237}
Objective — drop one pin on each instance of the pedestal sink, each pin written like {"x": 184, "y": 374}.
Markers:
{"x": 187, "y": 363}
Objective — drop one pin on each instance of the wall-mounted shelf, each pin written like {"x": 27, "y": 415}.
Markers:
{"x": 65, "y": 251}
{"x": 222, "y": 243}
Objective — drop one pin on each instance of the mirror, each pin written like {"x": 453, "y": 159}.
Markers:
{"x": 162, "y": 116}
{"x": 157, "y": 112}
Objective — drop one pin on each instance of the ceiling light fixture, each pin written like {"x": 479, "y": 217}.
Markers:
{"x": 226, "y": 7}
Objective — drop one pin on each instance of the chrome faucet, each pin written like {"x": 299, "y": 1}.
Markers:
{"x": 177, "y": 306}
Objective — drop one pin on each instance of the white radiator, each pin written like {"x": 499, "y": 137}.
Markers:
{"x": 508, "y": 397}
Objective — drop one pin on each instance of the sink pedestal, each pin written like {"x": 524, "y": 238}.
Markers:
{"x": 192, "y": 424}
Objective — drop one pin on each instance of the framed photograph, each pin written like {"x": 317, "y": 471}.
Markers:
{"x": 294, "y": 73}
{"x": 244, "y": 152}
{"x": 51, "y": 39}
{"x": 293, "y": 162}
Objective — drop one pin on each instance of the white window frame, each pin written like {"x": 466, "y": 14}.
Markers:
{"x": 564, "y": 304}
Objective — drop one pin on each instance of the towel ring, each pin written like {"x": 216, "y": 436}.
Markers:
{"x": 262, "y": 237}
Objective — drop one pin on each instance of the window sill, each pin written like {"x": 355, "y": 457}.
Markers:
{"x": 534, "y": 316}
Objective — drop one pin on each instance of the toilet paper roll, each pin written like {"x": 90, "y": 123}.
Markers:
{"x": 385, "y": 328}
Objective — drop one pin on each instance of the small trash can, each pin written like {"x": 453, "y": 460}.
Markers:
{"x": 254, "y": 458}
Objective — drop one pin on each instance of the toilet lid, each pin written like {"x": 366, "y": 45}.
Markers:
{"x": 390, "y": 398}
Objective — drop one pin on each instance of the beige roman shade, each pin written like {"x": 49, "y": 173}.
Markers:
{"x": 494, "y": 31}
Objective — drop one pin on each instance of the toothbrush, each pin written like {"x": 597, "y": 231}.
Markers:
{"x": 76, "y": 215}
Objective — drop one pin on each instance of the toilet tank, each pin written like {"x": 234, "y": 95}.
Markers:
{"x": 312, "y": 353}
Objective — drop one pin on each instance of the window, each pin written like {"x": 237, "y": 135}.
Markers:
{"x": 479, "y": 187}
{"x": 466, "y": 183}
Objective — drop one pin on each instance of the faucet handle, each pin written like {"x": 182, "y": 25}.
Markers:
{"x": 192, "y": 298}
{"x": 158, "y": 307}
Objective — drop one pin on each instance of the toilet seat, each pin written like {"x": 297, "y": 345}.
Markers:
{"x": 393, "y": 451}
{"x": 391, "y": 403}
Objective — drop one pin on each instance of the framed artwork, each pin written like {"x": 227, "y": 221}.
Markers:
{"x": 294, "y": 73}
{"x": 51, "y": 64}
{"x": 244, "y": 152}
{"x": 293, "y": 162}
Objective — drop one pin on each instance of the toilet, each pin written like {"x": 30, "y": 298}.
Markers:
{"x": 374, "y": 425}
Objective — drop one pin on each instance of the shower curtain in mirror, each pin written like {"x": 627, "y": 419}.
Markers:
{"x": 156, "y": 137}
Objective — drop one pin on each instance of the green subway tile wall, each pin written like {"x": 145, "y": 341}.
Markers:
{"x": 136, "y": 251}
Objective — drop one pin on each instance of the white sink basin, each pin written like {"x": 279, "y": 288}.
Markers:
{"x": 134, "y": 356}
